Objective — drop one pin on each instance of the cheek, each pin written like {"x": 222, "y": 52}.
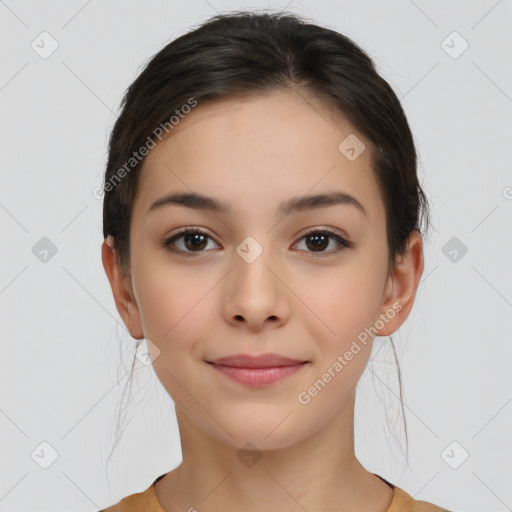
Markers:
{"x": 345, "y": 303}
{"x": 173, "y": 305}
{"x": 168, "y": 296}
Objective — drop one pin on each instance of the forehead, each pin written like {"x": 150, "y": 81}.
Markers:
{"x": 260, "y": 150}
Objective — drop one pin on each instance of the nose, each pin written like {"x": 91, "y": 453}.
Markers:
{"x": 256, "y": 295}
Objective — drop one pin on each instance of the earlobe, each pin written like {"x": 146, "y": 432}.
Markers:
{"x": 121, "y": 290}
{"x": 401, "y": 287}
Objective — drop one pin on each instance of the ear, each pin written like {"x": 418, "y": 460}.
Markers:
{"x": 401, "y": 287}
{"x": 121, "y": 289}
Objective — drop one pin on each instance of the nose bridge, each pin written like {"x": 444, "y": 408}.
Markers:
{"x": 252, "y": 260}
{"x": 250, "y": 250}
{"x": 255, "y": 293}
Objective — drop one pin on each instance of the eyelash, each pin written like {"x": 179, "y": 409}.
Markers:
{"x": 342, "y": 242}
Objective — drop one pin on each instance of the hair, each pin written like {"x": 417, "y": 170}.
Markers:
{"x": 239, "y": 54}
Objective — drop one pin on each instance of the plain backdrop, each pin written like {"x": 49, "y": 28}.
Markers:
{"x": 65, "y": 354}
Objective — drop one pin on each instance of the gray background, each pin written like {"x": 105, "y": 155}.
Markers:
{"x": 65, "y": 353}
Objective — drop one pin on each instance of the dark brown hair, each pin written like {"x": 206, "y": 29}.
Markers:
{"x": 248, "y": 53}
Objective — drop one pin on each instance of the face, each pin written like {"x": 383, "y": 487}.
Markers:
{"x": 303, "y": 283}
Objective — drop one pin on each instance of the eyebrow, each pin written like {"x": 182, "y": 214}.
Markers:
{"x": 295, "y": 204}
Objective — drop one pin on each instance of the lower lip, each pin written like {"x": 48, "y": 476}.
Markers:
{"x": 257, "y": 377}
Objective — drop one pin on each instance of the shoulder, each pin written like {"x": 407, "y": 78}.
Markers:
{"x": 145, "y": 501}
{"x": 133, "y": 503}
{"x": 403, "y": 502}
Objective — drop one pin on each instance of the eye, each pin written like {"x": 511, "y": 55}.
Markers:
{"x": 319, "y": 239}
{"x": 194, "y": 240}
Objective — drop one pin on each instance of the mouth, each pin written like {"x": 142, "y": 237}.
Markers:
{"x": 257, "y": 371}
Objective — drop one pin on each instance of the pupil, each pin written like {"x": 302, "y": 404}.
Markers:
{"x": 190, "y": 238}
{"x": 317, "y": 242}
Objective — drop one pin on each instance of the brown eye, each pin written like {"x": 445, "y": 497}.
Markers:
{"x": 317, "y": 240}
{"x": 192, "y": 240}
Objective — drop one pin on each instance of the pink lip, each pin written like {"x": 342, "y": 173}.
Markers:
{"x": 257, "y": 370}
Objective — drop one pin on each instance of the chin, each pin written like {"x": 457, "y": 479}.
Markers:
{"x": 271, "y": 433}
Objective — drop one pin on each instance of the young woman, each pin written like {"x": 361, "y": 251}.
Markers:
{"x": 262, "y": 224}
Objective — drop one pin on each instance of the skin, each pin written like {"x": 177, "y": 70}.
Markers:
{"x": 291, "y": 300}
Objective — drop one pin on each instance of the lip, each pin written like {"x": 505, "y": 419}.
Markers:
{"x": 261, "y": 361}
{"x": 257, "y": 371}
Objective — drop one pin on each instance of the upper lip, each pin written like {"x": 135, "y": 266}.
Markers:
{"x": 262, "y": 361}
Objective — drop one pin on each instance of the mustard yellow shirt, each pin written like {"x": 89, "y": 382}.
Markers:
{"x": 146, "y": 501}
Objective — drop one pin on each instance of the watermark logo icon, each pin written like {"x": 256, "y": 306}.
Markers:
{"x": 148, "y": 353}
{"x": 351, "y": 147}
{"x": 454, "y": 45}
{"x": 454, "y": 249}
{"x": 44, "y": 250}
{"x": 249, "y": 455}
{"x": 455, "y": 455}
{"x": 44, "y": 45}
{"x": 44, "y": 455}
{"x": 249, "y": 249}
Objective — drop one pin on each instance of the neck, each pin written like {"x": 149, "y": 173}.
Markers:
{"x": 310, "y": 474}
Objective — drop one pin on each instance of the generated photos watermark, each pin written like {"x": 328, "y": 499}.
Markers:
{"x": 142, "y": 152}
{"x": 304, "y": 397}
